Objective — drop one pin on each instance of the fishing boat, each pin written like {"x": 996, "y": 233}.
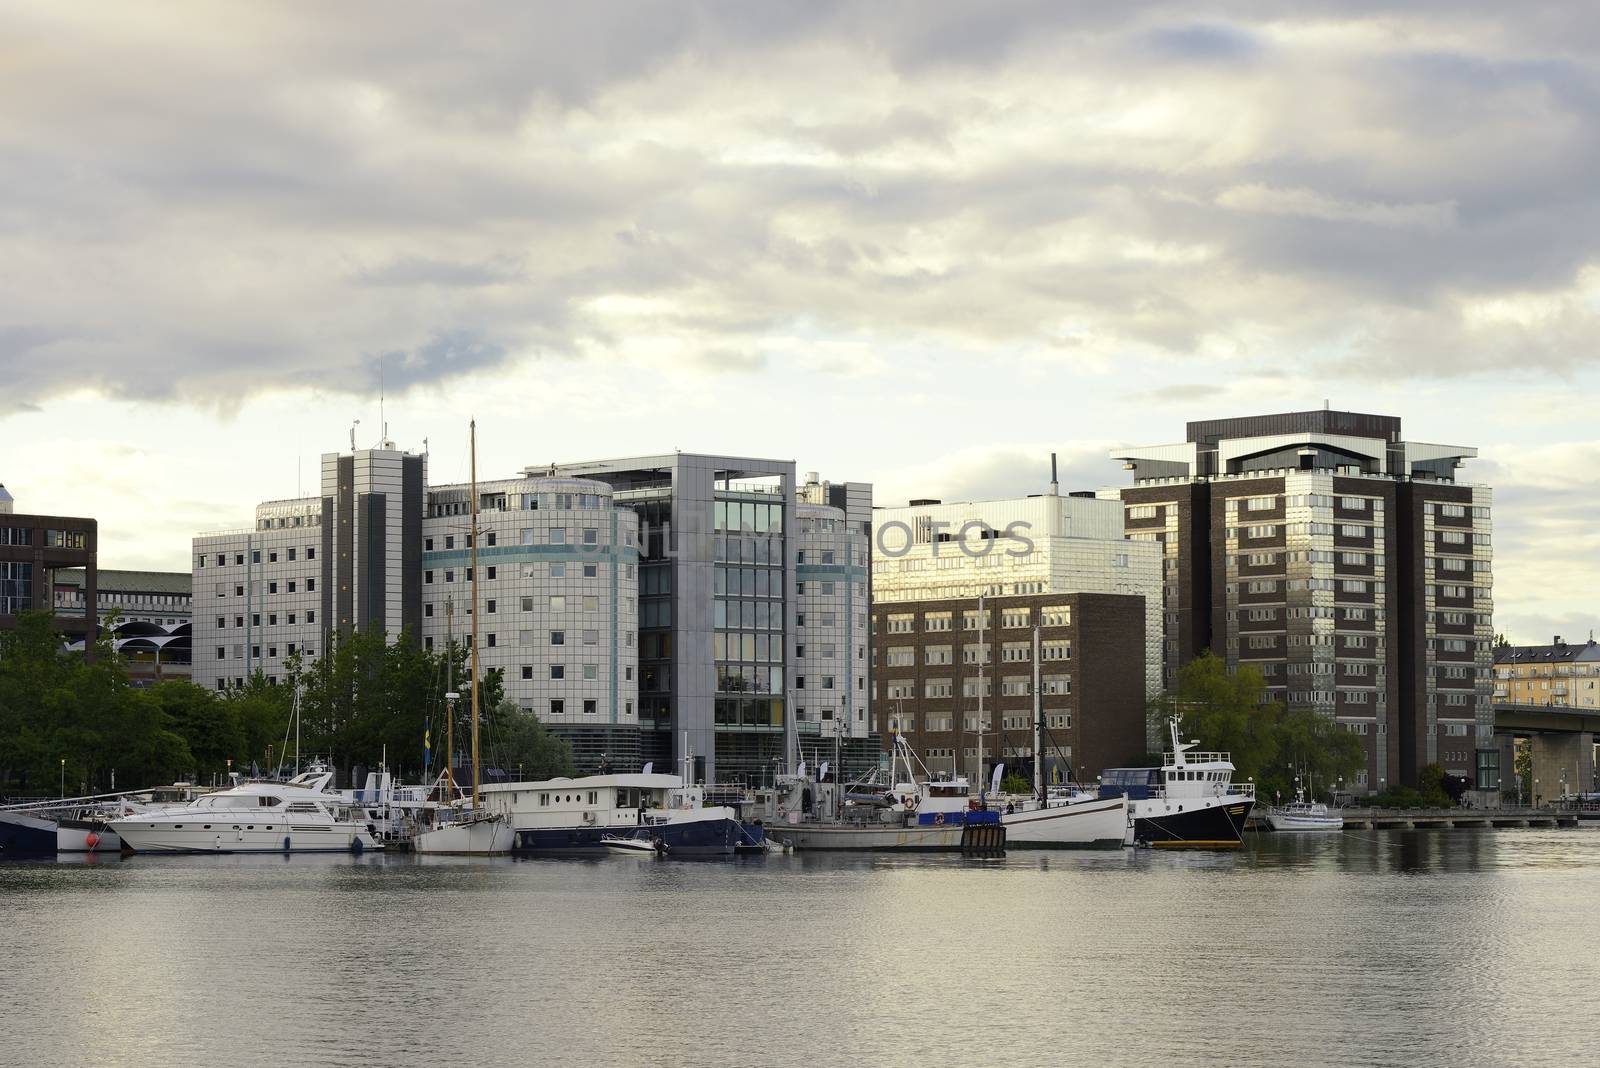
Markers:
{"x": 1303, "y": 815}
{"x": 297, "y": 816}
{"x": 924, "y": 813}
{"x": 465, "y": 829}
{"x": 1190, "y": 802}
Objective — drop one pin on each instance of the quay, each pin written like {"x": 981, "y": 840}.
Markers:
{"x": 1392, "y": 819}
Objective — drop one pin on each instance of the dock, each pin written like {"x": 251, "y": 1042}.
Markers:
{"x": 1421, "y": 819}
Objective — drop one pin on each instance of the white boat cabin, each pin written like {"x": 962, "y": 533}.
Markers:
{"x": 629, "y": 800}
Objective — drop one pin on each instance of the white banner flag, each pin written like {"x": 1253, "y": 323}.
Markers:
{"x": 647, "y": 767}
{"x": 994, "y": 785}
{"x": 823, "y": 772}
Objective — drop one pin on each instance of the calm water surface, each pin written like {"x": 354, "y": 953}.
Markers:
{"x": 1368, "y": 948}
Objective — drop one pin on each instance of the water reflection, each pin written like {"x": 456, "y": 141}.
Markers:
{"x": 1434, "y": 947}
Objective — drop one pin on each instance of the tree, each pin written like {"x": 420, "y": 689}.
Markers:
{"x": 526, "y": 748}
{"x": 1015, "y": 784}
{"x": 1226, "y": 710}
{"x": 1229, "y": 711}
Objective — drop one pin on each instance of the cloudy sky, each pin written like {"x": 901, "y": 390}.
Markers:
{"x": 920, "y": 244}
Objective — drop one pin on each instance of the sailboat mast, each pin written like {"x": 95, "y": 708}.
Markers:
{"x": 449, "y": 698}
{"x": 1038, "y": 724}
{"x": 983, "y": 651}
{"x": 472, "y": 569}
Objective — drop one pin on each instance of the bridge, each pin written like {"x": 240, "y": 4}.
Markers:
{"x": 1561, "y": 744}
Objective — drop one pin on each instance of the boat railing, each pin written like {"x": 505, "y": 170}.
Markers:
{"x": 1193, "y": 757}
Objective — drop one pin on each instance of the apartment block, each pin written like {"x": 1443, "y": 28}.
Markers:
{"x": 1561, "y": 674}
{"x": 1347, "y": 564}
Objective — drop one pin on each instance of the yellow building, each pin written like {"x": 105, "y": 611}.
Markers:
{"x": 1554, "y": 674}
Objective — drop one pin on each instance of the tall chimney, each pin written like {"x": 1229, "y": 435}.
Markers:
{"x": 1055, "y": 486}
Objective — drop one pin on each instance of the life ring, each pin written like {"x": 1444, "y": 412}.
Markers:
{"x": 938, "y": 817}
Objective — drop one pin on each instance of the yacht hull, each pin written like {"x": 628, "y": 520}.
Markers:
{"x": 86, "y": 836}
{"x": 1279, "y": 821}
{"x": 20, "y": 834}
{"x": 160, "y": 838}
{"x": 683, "y": 838}
{"x": 484, "y": 838}
{"x": 1098, "y": 824}
{"x": 1190, "y": 824}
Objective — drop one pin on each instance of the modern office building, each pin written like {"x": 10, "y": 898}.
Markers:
{"x": 638, "y": 606}
{"x": 1560, "y": 674}
{"x": 558, "y": 594}
{"x": 34, "y": 551}
{"x": 934, "y": 657}
{"x": 725, "y": 635}
{"x": 1346, "y": 563}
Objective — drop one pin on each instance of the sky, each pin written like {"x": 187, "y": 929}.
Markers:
{"x": 922, "y": 245}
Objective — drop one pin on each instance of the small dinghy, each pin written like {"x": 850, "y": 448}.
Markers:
{"x": 638, "y": 846}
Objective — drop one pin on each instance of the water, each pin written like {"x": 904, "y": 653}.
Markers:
{"x": 1368, "y": 948}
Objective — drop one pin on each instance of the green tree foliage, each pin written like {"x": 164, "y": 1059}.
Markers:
{"x": 523, "y": 746}
{"x": 1015, "y": 784}
{"x": 57, "y": 706}
{"x": 1230, "y": 711}
{"x": 364, "y": 698}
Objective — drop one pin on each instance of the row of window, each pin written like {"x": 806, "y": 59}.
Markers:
{"x": 291, "y": 553}
{"x": 290, "y": 586}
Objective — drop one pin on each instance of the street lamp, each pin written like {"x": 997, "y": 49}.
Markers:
{"x": 1536, "y": 793}
{"x": 63, "y": 776}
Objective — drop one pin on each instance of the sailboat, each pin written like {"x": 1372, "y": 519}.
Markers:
{"x": 472, "y": 830}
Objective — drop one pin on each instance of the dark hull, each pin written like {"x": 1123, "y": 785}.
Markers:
{"x": 1212, "y": 827}
{"x": 21, "y": 834}
{"x": 700, "y": 838}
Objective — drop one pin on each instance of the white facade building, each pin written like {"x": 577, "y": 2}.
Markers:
{"x": 558, "y": 595}
{"x": 930, "y": 550}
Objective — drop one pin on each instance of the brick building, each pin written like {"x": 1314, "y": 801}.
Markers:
{"x": 929, "y": 656}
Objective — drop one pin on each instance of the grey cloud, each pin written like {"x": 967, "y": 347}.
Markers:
{"x": 548, "y": 182}
{"x": 1203, "y": 42}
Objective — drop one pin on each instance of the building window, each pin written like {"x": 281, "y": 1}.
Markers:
{"x": 558, "y": 637}
{"x": 558, "y": 671}
{"x": 590, "y": 706}
{"x": 558, "y": 535}
{"x": 558, "y": 707}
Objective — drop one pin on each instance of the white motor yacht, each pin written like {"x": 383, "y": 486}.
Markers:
{"x": 298, "y": 816}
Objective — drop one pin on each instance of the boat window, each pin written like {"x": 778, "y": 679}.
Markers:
{"x": 265, "y": 801}
{"x": 594, "y": 796}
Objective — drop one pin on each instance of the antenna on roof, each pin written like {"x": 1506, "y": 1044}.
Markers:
{"x": 1324, "y": 403}
{"x": 1055, "y": 486}
{"x": 383, "y": 423}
